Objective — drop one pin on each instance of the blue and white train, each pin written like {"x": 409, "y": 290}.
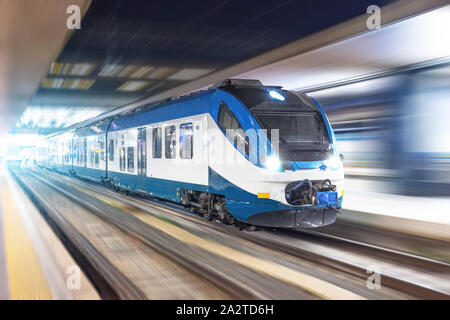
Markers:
{"x": 217, "y": 152}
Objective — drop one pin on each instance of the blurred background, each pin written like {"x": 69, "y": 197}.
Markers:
{"x": 385, "y": 89}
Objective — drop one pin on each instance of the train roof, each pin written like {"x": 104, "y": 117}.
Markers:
{"x": 101, "y": 124}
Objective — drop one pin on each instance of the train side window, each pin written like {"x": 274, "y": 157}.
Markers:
{"x": 92, "y": 158}
{"x": 233, "y": 129}
{"x": 122, "y": 158}
{"x": 111, "y": 150}
{"x": 97, "y": 158}
{"x": 226, "y": 118}
{"x": 130, "y": 159}
{"x": 186, "y": 140}
{"x": 156, "y": 143}
{"x": 170, "y": 142}
{"x": 102, "y": 151}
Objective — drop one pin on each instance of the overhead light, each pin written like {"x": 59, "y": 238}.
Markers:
{"x": 81, "y": 69}
{"x": 46, "y": 83}
{"x": 161, "y": 72}
{"x": 127, "y": 71}
{"x": 68, "y": 83}
{"x": 54, "y": 83}
{"x": 84, "y": 84}
{"x": 67, "y": 68}
{"x": 56, "y": 68}
{"x": 111, "y": 70}
{"x": 73, "y": 69}
{"x": 133, "y": 85}
{"x": 72, "y": 84}
{"x": 189, "y": 74}
{"x": 141, "y": 72}
{"x": 78, "y": 84}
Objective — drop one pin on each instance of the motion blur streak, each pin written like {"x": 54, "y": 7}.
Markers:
{"x": 395, "y": 128}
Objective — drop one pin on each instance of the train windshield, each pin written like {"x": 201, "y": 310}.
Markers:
{"x": 301, "y": 128}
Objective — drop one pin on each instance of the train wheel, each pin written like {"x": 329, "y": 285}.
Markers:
{"x": 207, "y": 216}
{"x": 227, "y": 218}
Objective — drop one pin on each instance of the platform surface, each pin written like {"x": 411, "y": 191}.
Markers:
{"x": 33, "y": 262}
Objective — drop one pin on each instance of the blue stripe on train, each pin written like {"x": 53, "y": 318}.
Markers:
{"x": 240, "y": 203}
{"x": 89, "y": 173}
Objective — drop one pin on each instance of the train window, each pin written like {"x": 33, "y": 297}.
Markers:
{"x": 97, "y": 158}
{"x": 170, "y": 142}
{"x": 122, "y": 159}
{"x": 141, "y": 151}
{"x": 81, "y": 157}
{"x": 233, "y": 129}
{"x": 156, "y": 143}
{"x": 102, "y": 151}
{"x": 226, "y": 119}
{"x": 111, "y": 150}
{"x": 130, "y": 159}
{"x": 85, "y": 152}
{"x": 186, "y": 140}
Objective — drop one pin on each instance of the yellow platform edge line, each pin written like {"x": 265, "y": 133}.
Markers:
{"x": 26, "y": 278}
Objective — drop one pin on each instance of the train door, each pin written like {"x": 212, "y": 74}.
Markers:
{"x": 142, "y": 156}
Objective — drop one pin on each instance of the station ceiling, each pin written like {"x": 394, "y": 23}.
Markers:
{"x": 128, "y": 50}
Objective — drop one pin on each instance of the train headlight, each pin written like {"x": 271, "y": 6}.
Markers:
{"x": 333, "y": 163}
{"x": 273, "y": 163}
{"x": 276, "y": 95}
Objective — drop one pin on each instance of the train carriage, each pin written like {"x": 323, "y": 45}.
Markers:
{"x": 240, "y": 151}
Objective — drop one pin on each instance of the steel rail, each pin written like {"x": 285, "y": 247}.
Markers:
{"x": 108, "y": 280}
{"x": 235, "y": 289}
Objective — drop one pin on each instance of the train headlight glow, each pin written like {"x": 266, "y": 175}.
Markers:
{"x": 333, "y": 163}
{"x": 273, "y": 163}
{"x": 276, "y": 95}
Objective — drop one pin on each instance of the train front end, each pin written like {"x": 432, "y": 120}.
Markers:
{"x": 292, "y": 176}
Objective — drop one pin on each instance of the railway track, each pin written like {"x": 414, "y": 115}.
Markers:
{"x": 110, "y": 281}
{"x": 417, "y": 290}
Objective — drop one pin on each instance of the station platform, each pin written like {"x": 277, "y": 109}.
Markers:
{"x": 371, "y": 202}
{"x": 34, "y": 264}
